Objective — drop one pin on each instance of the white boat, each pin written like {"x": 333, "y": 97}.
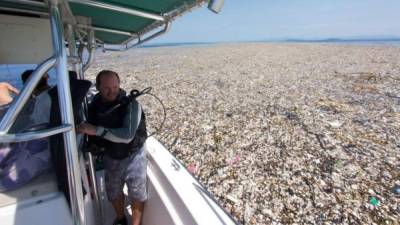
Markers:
{"x": 55, "y": 34}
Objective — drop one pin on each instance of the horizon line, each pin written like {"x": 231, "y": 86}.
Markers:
{"x": 331, "y": 39}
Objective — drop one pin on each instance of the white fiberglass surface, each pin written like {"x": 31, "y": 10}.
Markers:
{"x": 185, "y": 198}
{"x": 44, "y": 210}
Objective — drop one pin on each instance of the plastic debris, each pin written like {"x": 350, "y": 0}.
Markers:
{"x": 232, "y": 199}
{"x": 335, "y": 124}
{"x": 234, "y": 160}
{"x": 396, "y": 189}
{"x": 374, "y": 201}
{"x": 290, "y": 112}
{"x": 192, "y": 168}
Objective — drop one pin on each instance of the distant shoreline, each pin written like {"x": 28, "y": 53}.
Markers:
{"x": 367, "y": 42}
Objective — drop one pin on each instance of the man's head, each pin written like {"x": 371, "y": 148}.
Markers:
{"x": 41, "y": 86}
{"x": 107, "y": 83}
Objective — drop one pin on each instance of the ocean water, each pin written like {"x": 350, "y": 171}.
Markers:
{"x": 395, "y": 43}
{"x": 12, "y": 74}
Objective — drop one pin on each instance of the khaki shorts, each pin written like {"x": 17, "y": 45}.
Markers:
{"x": 131, "y": 171}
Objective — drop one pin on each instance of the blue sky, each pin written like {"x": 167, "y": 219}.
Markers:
{"x": 281, "y": 19}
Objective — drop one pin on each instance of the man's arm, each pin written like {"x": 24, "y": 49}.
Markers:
{"x": 5, "y": 96}
{"x": 126, "y": 133}
{"x": 5, "y": 93}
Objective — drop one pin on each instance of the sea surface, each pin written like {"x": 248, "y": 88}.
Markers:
{"x": 395, "y": 43}
{"x": 12, "y": 72}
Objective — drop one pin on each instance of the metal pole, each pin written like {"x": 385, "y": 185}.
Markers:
{"x": 107, "y": 30}
{"x": 64, "y": 95}
{"x": 24, "y": 11}
{"x": 73, "y": 51}
{"x": 72, "y": 47}
{"x": 99, "y": 213}
{"x": 91, "y": 48}
{"x": 151, "y": 37}
{"x": 129, "y": 44}
{"x": 29, "y": 2}
{"x": 27, "y": 136}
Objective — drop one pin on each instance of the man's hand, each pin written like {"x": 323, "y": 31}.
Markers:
{"x": 5, "y": 93}
{"x": 86, "y": 128}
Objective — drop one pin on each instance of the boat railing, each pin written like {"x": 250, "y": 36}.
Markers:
{"x": 65, "y": 103}
{"x": 12, "y": 113}
{"x": 28, "y": 136}
{"x": 79, "y": 69}
{"x": 59, "y": 62}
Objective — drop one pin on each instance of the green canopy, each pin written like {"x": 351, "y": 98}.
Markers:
{"x": 114, "y": 21}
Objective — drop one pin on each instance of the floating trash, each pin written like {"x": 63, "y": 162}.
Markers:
{"x": 374, "y": 201}
{"x": 335, "y": 124}
{"x": 233, "y": 161}
{"x": 279, "y": 134}
{"x": 396, "y": 189}
{"x": 192, "y": 168}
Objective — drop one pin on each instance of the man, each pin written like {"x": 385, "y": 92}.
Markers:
{"x": 41, "y": 86}
{"x": 121, "y": 133}
{"x": 37, "y": 110}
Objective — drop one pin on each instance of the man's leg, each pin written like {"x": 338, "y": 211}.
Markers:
{"x": 114, "y": 170}
{"x": 136, "y": 180}
{"x": 137, "y": 212}
{"x": 118, "y": 205}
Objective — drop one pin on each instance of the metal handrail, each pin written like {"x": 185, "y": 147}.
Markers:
{"x": 28, "y": 136}
{"x": 78, "y": 69}
{"x": 96, "y": 28}
{"x": 12, "y": 113}
{"x": 92, "y": 171}
{"x": 169, "y": 16}
{"x": 102, "y": 5}
{"x": 134, "y": 37}
{"x": 24, "y": 11}
{"x": 67, "y": 12}
{"x": 107, "y": 30}
{"x": 138, "y": 40}
{"x": 151, "y": 37}
{"x": 28, "y": 2}
{"x": 65, "y": 102}
{"x": 91, "y": 48}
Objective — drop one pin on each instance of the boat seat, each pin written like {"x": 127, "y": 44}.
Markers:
{"x": 50, "y": 182}
{"x": 44, "y": 184}
{"x": 79, "y": 89}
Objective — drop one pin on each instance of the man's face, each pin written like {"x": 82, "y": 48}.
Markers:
{"x": 44, "y": 81}
{"x": 109, "y": 87}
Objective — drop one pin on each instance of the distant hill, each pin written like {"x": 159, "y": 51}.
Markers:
{"x": 376, "y": 39}
{"x": 352, "y": 39}
{"x": 174, "y": 44}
